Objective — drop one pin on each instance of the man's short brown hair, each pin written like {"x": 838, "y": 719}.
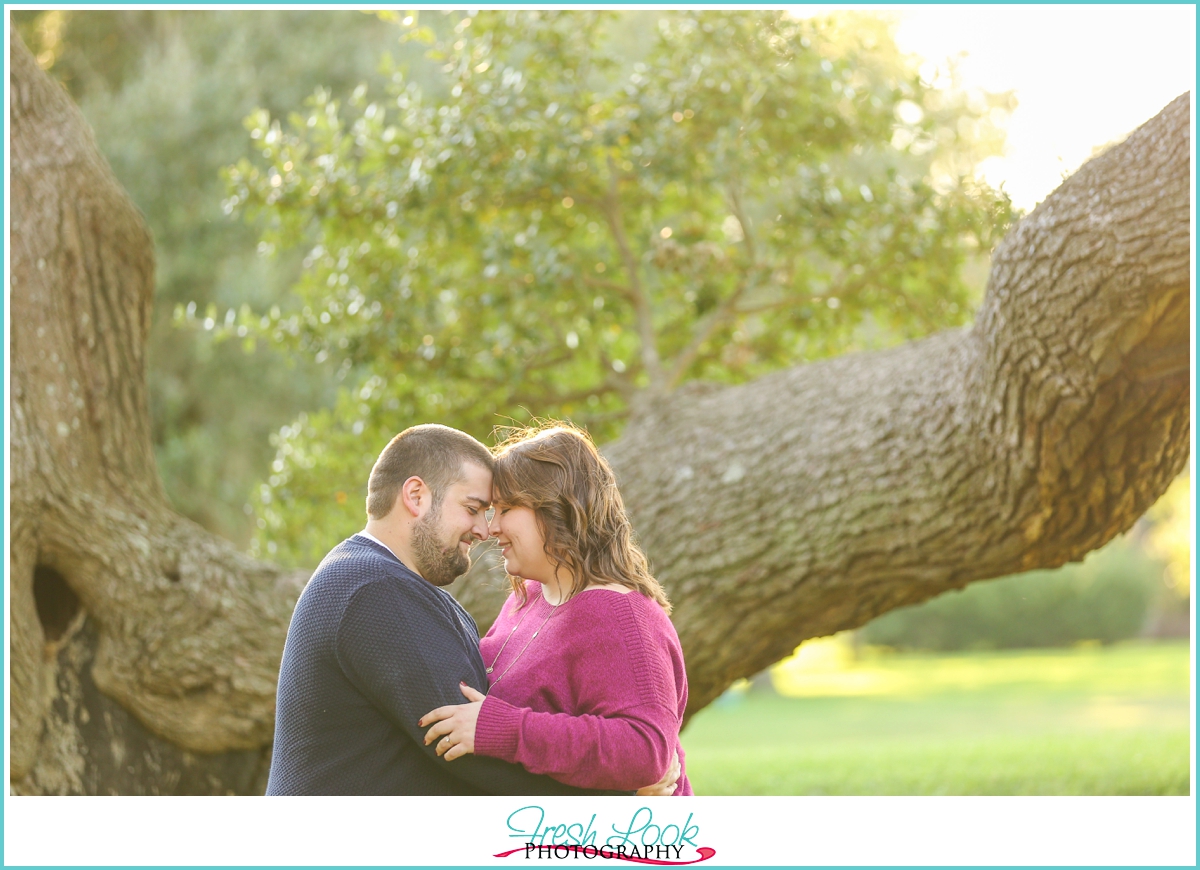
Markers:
{"x": 432, "y": 452}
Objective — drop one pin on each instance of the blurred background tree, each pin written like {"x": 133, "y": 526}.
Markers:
{"x": 1106, "y": 598}
{"x": 595, "y": 209}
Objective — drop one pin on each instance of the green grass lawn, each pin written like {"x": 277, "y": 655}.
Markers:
{"x": 1111, "y": 720}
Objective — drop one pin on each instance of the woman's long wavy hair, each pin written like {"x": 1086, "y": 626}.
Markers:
{"x": 555, "y": 470}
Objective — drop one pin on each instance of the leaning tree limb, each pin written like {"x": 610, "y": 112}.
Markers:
{"x": 185, "y": 632}
{"x": 820, "y": 497}
{"x": 144, "y": 651}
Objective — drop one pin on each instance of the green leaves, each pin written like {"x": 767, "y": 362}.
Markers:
{"x": 563, "y": 220}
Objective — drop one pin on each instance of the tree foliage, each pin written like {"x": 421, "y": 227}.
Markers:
{"x": 1106, "y": 598}
{"x": 564, "y": 229}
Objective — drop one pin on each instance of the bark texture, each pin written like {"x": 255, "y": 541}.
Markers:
{"x": 144, "y": 652}
{"x": 184, "y": 633}
{"x": 820, "y": 497}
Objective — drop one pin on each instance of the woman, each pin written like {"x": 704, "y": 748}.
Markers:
{"x": 585, "y": 671}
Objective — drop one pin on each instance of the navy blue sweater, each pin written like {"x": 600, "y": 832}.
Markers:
{"x": 373, "y": 647}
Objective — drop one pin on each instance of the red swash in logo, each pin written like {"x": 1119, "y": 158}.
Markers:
{"x": 608, "y": 852}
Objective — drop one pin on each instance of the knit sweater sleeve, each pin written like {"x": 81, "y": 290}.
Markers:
{"x": 400, "y": 652}
{"x": 627, "y": 725}
{"x": 622, "y": 752}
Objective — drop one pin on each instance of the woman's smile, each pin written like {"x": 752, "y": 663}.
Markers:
{"x": 521, "y": 544}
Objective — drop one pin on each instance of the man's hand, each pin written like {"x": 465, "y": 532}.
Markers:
{"x": 666, "y": 785}
{"x": 454, "y": 730}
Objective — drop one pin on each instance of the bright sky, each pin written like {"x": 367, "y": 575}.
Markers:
{"x": 1083, "y": 75}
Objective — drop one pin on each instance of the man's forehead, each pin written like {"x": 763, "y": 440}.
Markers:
{"x": 476, "y": 483}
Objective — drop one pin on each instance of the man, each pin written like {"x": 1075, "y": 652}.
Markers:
{"x": 375, "y": 643}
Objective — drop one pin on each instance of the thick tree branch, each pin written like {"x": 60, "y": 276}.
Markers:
{"x": 817, "y": 498}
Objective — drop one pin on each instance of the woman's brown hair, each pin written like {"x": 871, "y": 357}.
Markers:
{"x": 554, "y": 469}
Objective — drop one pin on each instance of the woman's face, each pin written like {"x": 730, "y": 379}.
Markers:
{"x": 516, "y": 531}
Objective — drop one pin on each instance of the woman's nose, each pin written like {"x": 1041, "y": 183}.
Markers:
{"x": 493, "y": 525}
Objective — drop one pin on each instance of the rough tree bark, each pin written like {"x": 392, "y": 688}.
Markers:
{"x": 144, "y": 651}
{"x": 137, "y": 640}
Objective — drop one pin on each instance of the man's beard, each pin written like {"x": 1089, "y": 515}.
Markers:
{"x": 438, "y": 565}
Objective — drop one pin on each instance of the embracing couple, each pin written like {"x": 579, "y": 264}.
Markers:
{"x": 577, "y": 688}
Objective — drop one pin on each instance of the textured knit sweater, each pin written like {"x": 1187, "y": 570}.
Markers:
{"x": 595, "y": 700}
{"x": 371, "y": 649}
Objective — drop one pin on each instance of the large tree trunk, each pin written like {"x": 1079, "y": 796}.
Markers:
{"x": 110, "y": 589}
{"x": 144, "y": 652}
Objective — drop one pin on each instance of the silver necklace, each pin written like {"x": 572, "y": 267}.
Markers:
{"x": 492, "y": 667}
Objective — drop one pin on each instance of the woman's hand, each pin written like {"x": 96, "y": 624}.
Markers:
{"x": 666, "y": 785}
{"x": 455, "y": 728}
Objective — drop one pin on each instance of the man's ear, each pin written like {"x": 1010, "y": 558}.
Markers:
{"x": 415, "y": 497}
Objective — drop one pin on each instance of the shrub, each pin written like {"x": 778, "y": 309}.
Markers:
{"x": 1104, "y": 598}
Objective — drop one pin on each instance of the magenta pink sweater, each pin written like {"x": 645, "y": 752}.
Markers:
{"x": 595, "y": 700}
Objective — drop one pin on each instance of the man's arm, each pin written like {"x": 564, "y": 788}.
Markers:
{"x": 400, "y": 650}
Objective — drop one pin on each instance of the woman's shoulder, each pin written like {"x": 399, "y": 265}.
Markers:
{"x": 605, "y": 598}
{"x": 631, "y": 631}
{"x": 621, "y": 604}
{"x": 616, "y": 595}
